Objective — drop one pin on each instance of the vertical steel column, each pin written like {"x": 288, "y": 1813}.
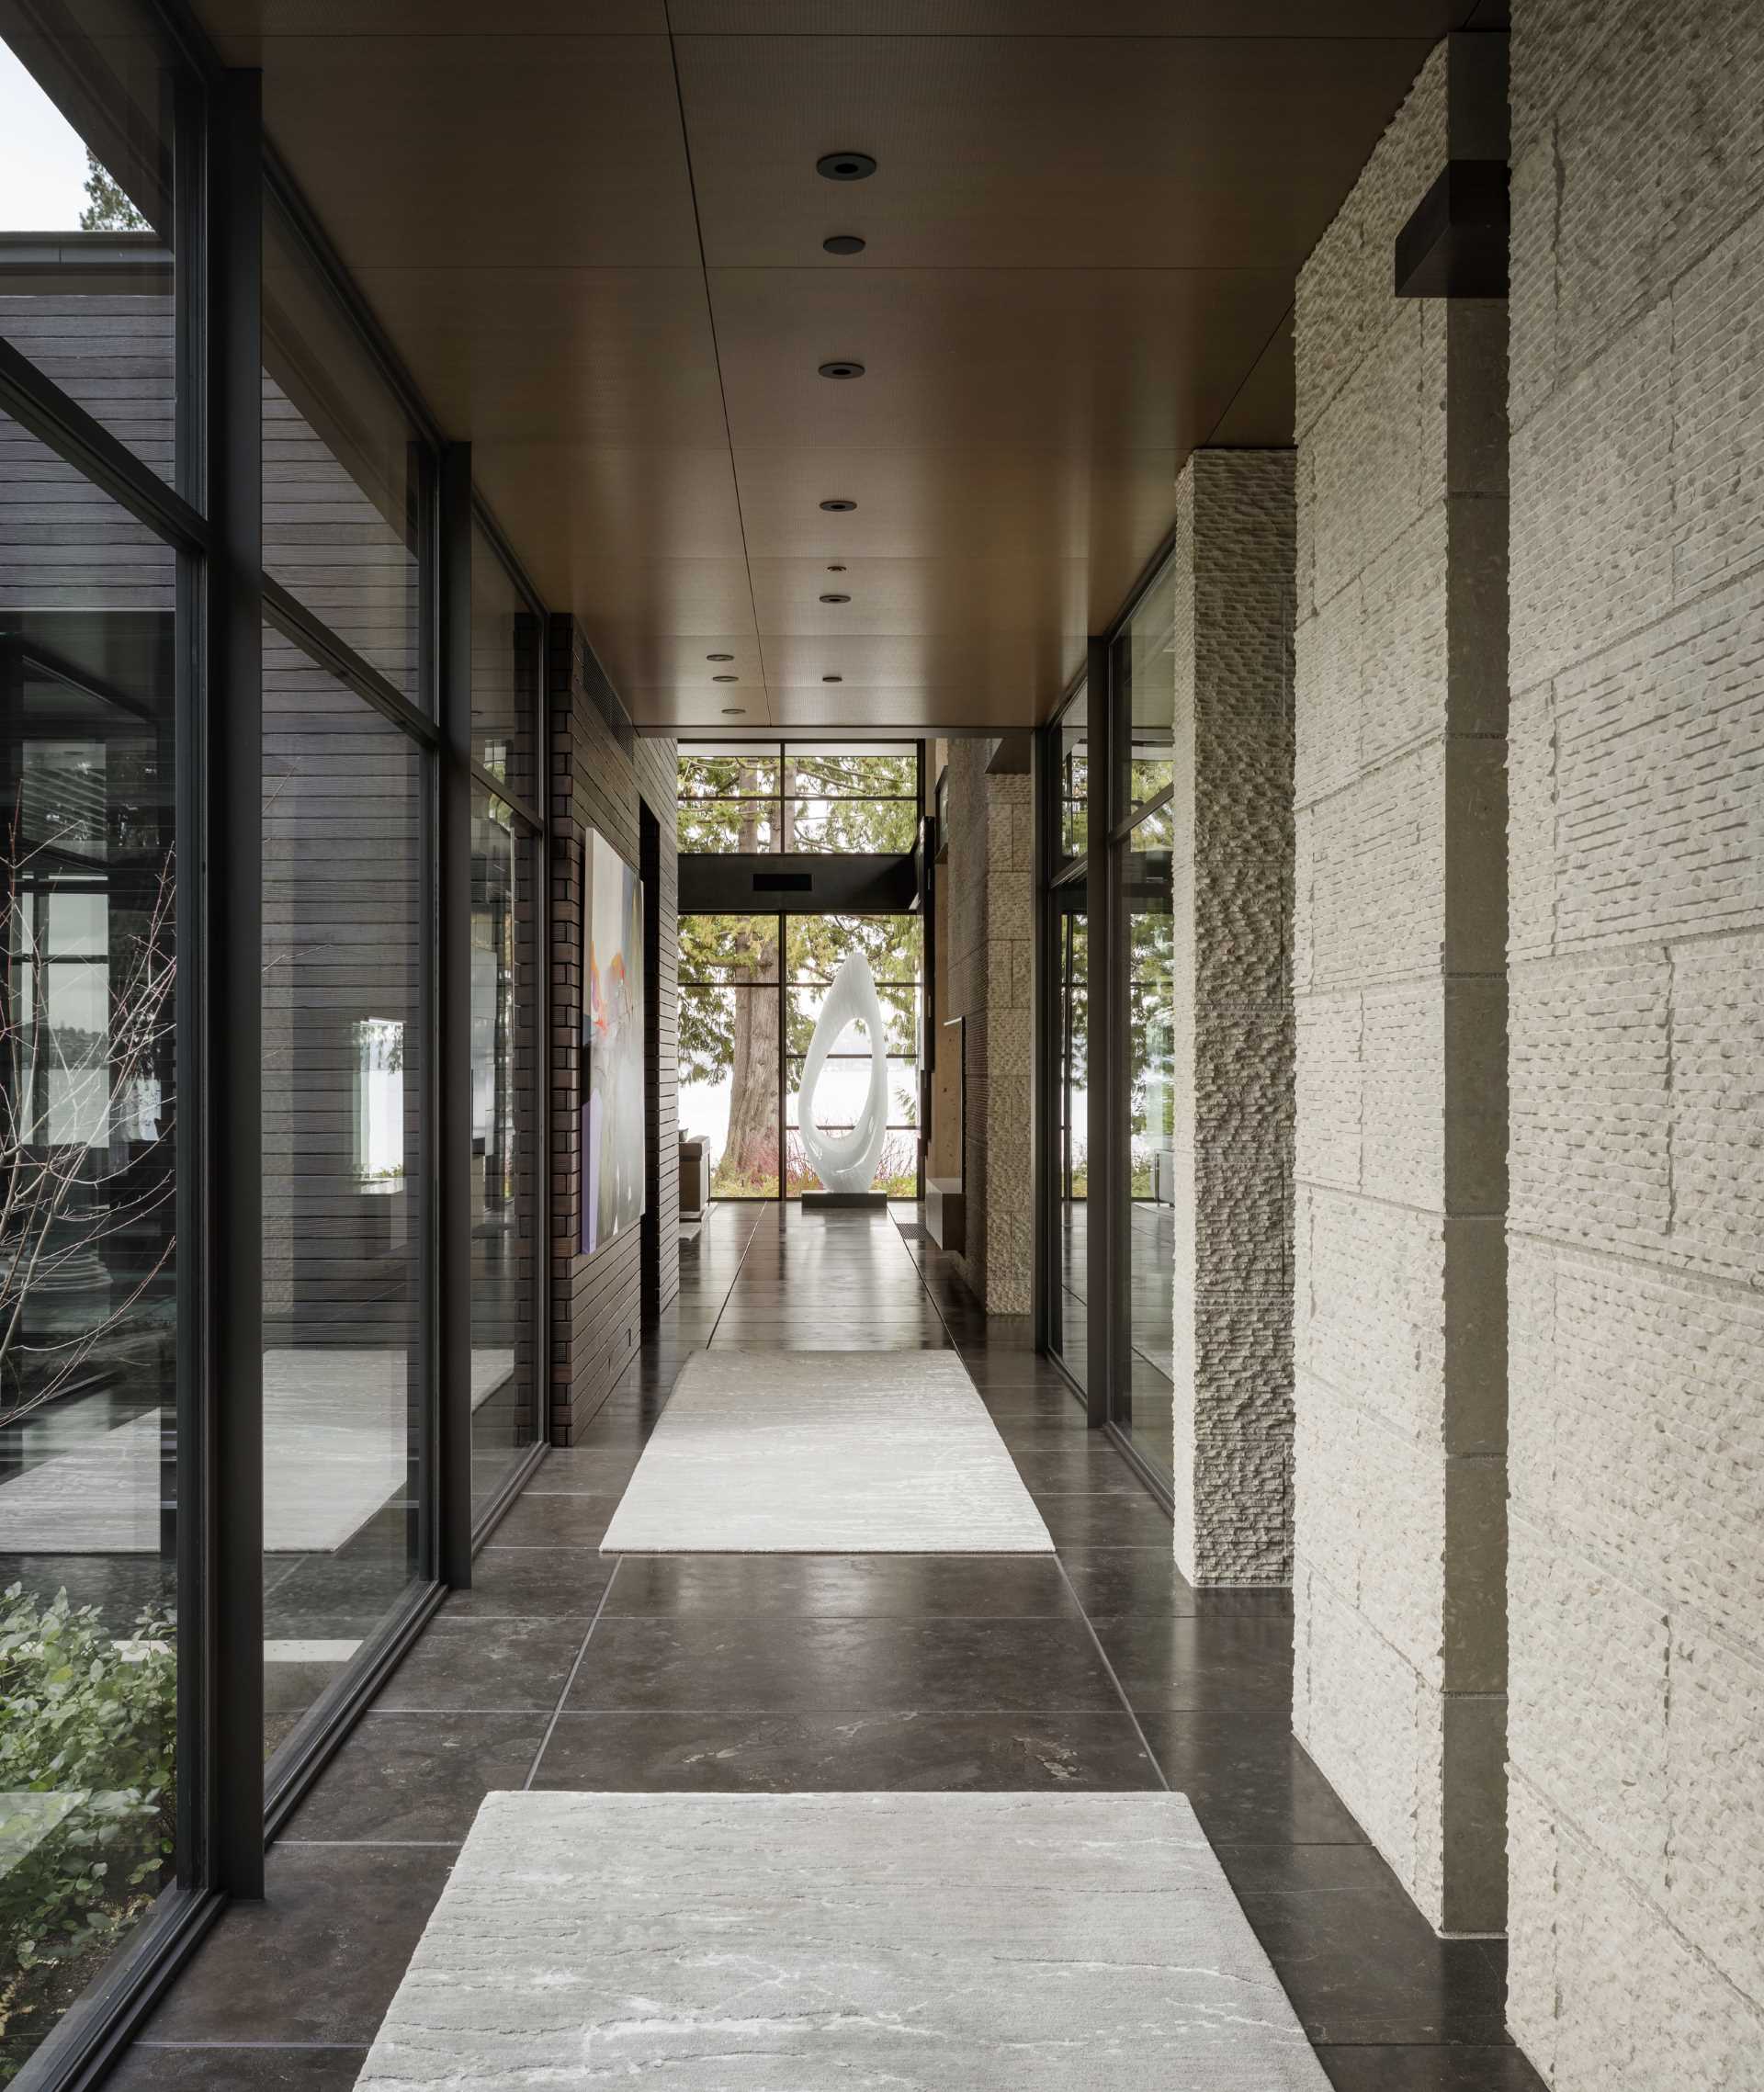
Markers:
{"x": 453, "y": 1136}
{"x": 224, "y": 856}
{"x": 1102, "y": 1027}
{"x": 1044, "y": 1077}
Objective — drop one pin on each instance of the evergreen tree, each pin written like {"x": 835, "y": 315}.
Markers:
{"x": 109, "y": 209}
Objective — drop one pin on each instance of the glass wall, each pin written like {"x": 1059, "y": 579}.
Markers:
{"x": 746, "y": 1021}
{"x": 125, "y": 1692}
{"x": 90, "y": 1625}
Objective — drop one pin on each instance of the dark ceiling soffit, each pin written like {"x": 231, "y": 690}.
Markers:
{"x": 1014, "y": 757}
{"x": 797, "y": 883}
{"x": 1455, "y": 244}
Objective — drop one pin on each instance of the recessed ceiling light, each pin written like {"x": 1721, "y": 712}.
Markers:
{"x": 845, "y": 166}
{"x": 835, "y": 599}
{"x": 734, "y": 711}
{"x": 725, "y": 679}
{"x": 836, "y": 570}
{"x": 842, "y": 367}
{"x": 719, "y": 657}
{"x": 839, "y": 507}
{"x": 844, "y": 243}
{"x": 832, "y": 679}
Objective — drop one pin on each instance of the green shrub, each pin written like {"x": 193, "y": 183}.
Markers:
{"x": 80, "y": 1717}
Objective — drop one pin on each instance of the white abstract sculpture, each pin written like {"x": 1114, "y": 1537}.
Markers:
{"x": 846, "y": 1162}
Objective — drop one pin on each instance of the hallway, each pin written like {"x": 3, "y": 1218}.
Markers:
{"x": 1100, "y": 1670}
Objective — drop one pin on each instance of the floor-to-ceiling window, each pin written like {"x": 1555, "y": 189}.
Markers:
{"x": 207, "y": 927}
{"x": 1065, "y": 983}
{"x": 1113, "y": 1055}
{"x": 1142, "y": 691}
{"x": 506, "y": 1022}
{"x": 91, "y": 1632}
{"x": 348, "y": 1030}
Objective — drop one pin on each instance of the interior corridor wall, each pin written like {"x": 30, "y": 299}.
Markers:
{"x": 1399, "y": 930}
{"x": 1637, "y": 966}
{"x": 602, "y": 772}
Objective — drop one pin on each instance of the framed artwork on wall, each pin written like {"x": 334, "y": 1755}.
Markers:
{"x": 612, "y": 1045}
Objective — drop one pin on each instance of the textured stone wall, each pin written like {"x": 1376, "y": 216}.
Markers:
{"x": 1637, "y": 970}
{"x": 1398, "y": 977}
{"x": 991, "y": 928}
{"x": 1232, "y": 890}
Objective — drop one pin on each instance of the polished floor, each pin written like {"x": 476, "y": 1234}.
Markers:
{"x": 1099, "y": 1669}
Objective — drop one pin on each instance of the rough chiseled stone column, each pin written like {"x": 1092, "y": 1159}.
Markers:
{"x": 991, "y": 873}
{"x": 1232, "y": 865}
{"x": 1399, "y": 957}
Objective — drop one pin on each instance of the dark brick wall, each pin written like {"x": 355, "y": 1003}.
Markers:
{"x": 601, "y": 774}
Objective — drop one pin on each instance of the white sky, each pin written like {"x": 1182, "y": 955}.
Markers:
{"x": 42, "y": 161}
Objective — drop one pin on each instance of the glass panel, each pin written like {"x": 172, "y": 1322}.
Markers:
{"x": 344, "y": 1215}
{"x": 728, "y": 1085}
{"x": 879, "y": 770}
{"x": 505, "y": 1097}
{"x": 727, "y": 770}
{"x": 817, "y": 945}
{"x": 855, "y": 827}
{"x": 89, "y": 1636}
{"x": 736, "y": 949}
{"x": 343, "y": 475}
{"x": 1075, "y": 775}
{"x": 85, "y": 211}
{"x": 721, "y": 827}
{"x": 1144, "y": 1396}
{"x": 504, "y": 673}
{"x": 1145, "y": 687}
{"x": 1071, "y": 1129}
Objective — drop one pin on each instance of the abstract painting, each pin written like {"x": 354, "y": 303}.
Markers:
{"x": 612, "y": 1045}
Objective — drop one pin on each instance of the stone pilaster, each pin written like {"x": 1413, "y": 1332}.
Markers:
{"x": 1232, "y": 865}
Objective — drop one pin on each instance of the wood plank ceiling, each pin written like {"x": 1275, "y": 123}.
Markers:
{"x": 595, "y": 233}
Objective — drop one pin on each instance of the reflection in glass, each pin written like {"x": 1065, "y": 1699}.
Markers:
{"x": 88, "y": 216}
{"x": 1075, "y": 775}
{"x": 342, "y": 1179}
{"x": 88, "y": 1334}
{"x": 1066, "y": 1332}
{"x": 504, "y": 1126}
{"x": 1144, "y": 1391}
{"x": 344, "y": 493}
{"x": 1144, "y": 683}
{"x": 504, "y": 673}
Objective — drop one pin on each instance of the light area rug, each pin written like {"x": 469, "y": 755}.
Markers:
{"x": 335, "y": 1451}
{"x": 924, "y": 1942}
{"x": 825, "y": 1452}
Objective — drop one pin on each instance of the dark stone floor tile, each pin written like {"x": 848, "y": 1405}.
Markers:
{"x": 470, "y": 1666}
{"x": 585, "y": 1471}
{"x": 1121, "y": 1582}
{"x": 1075, "y": 1466}
{"x": 418, "y": 1777}
{"x": 1091, "y": 1520}
{"x": 119, "y": 1584}
{"x": 558, "y": 1520}
{"x": 319, "y": 1959}
{"x": 1429, "y": 2070}
{"x": 1200, "y": 1664}
{"x": 840, "y": 1586}
{"x": 1247, "y": 1779}
{"x": 1359, "y": 1961}
{"x": 531, "y": 1583}
{"x": 146, "y": 2068}
{"x": 737, "y": 1753}
{"x": 855, "y": 1666}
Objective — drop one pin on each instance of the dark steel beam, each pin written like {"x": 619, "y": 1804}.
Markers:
{"x": 797, "y": 883}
